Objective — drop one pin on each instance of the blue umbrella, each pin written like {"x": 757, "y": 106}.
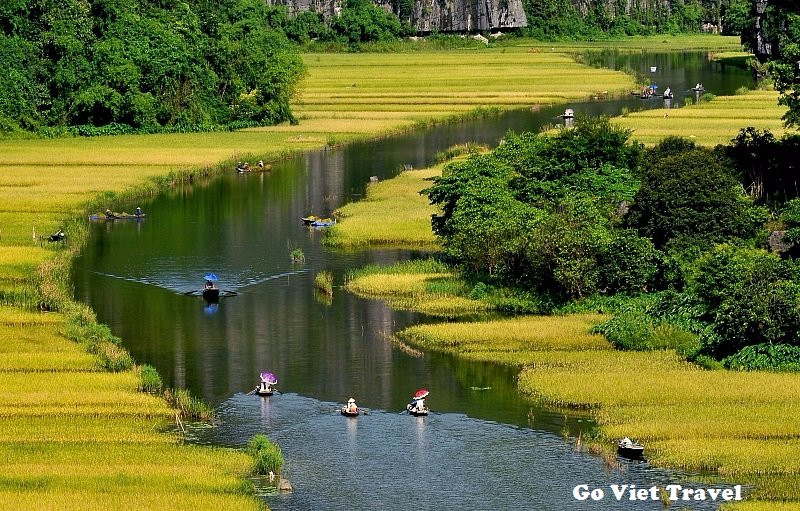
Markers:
{"x": 211, "y": 276}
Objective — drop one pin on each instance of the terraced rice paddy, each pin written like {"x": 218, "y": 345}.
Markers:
{"x": 711, "y": 123}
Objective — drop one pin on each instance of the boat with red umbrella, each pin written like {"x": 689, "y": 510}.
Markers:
{"x": 268, "y": 380}
{"x": 417, "y": 406}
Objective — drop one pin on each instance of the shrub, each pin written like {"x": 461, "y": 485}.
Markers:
{"x": 713, "y": 208}
{"x": 768, "y": 357}
{"x": 297, "y": 256}
{"x": 188, "y": 405}
{"x": 150, "y": 379}
{"x": 267, "y": 455}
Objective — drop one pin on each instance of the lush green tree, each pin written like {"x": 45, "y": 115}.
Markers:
{"x": 362, "y": 21}
{"x": 736, "y": 17}
{"x": 144, "y": 64}
{"x": 692, "y": 194}
{"x": 768, "y": 167}
{"x": 628, "y": 262}
{"x": 751, "y": 297}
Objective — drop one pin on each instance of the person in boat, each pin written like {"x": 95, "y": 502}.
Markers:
{"x": 351, "y": 406}
{"x": 261, "y": 164}
{"x": 109, "y": 214}
{"x": 138, "y": 212}
{"x": 265, "y": 387}
{"x": 667, "y": 92}
{"x": 209, "y": 285}
{"x": 418, "y": 404}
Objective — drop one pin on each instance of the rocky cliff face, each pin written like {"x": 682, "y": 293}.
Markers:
{"x": 435, "y": 15}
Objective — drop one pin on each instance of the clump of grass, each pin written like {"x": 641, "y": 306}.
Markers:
{"x": 151, "y": 380}
{"x": 459, "y": 150}
{"x": 297, "y": 256}
{"x": 323, "y": 281}
{"x": 188, "y": 405}
{"x": 268, "y": 456}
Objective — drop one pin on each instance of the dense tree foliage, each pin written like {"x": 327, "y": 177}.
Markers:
{"x": 598, "y": 19}
{"x": 360, "y": 21}
{"x": 666, "y": 237}
{"x": 768, "y": 167}
{"x": 539, "y": 211}
{"x": 142, "y": 64}
{"x": 692, "y": 194}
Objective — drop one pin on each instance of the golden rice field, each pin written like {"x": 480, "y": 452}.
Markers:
{"x": 711, "y": 123}
{"x": 392, "y": 213}
{"x": 372, "y": 91}
{"x": 739, "y": 424}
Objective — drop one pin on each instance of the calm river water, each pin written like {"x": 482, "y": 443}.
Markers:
{"x": 485, "y": 448}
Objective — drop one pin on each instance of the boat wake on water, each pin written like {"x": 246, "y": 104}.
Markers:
{"x": 189, "y": 286}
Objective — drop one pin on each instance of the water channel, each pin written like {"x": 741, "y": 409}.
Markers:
{"x": 485, "y": 448}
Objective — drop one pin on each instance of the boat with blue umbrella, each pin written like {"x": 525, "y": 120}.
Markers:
{"x": 210, "y": 290}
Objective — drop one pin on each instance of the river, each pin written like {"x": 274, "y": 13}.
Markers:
{"x": 485, "y": 447}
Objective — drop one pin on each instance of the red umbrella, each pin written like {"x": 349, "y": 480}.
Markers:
{"x": 421, "y": 393}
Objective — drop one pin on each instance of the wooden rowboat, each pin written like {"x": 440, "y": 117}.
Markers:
{"x": 417, "y": 413}
{"x": 627, "y": 448}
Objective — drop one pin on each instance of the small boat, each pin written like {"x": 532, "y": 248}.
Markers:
{"x": 417, "y": 406}
{"x": 210, "y": 290}
{"x": 417, "y": 412}
{"x": 569, "y": 114}
{"x": 699, "y": 88}
{"x": 268, "y": 380}
{"x": 116, "y": 216}
{"x": 627, "y": 448}
{"x": 211, "y": 294}
{"x": 347, "y": 413}
{"x": 324, "y": 222}
{"x": 310, "y": 219}
{"x": 653, "y": 69}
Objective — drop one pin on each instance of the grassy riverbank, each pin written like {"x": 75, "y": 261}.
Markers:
{"x": 734, "y": 423}
{"x": 76, "y": 436}
{"x": 709, "y": 123}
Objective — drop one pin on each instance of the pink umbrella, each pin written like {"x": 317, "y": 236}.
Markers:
{"x": 421, "y": 393}
{"x": 268, "y": 378}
